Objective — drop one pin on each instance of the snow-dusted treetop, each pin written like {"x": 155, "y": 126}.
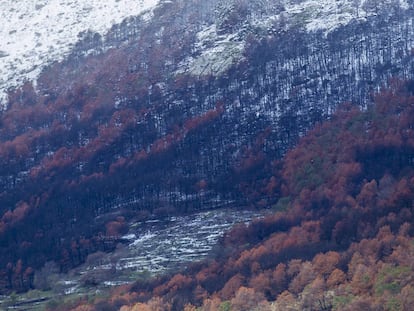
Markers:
{"x": 35, "y": 33}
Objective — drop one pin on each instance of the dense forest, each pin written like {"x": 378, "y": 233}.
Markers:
{"x": 124, "y": 129}
{"x": 342, "y": 238}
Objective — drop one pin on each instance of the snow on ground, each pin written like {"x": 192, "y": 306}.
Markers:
{"x": 217, "y": 52}
{"x": 159, "y": 245}
{"x": 323, "y": 14}
{"x": 37, "y": 32}
{"x": 327, "y": 15}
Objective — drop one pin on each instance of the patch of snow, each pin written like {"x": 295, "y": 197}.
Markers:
{"x": 147, "y": 236}
{"x": 327, "y": 15}
{"x": 130, "y": 236}
{"x": 215, "y": 53}
{"x": 36, "y": 33}
{"x": 323, "y": 14}
{"x": 114, "y": 283}
{"x": 71, "y": 290}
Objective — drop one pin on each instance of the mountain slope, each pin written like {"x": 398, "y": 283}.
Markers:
{"x": 125, "y": 127}
{"x": 343, "y": 236}
{"x": 37, "y": 33}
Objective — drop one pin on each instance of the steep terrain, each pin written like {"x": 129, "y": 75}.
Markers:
{"x": 192, "y": 109}
{"x": 343, "y": 238}
{"x": 38, "y": 33}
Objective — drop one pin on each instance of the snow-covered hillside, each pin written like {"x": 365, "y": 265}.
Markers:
{"x": 215, "y": 51}
{"x": 37, "y": 32}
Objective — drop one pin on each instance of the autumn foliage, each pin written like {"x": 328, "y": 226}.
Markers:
{"x": 100, "y": 132}
{"x": 345, "y": 240}
{"x": 106, "y": 137}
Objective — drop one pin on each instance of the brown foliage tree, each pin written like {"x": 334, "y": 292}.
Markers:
{"x": 336, "y": 278}
{"x": 324, "y": 264}
{"x": 231, "y": 287}
{"x": 246, "y": 299}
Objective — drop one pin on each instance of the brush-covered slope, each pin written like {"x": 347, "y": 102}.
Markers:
{"x": 342, "y": 239}
{"x": 39, "y": 32}
{"x": 141, "y": 122}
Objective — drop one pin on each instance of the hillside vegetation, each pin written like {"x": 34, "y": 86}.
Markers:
{"x": 343, "y": 238}
{"x": 138, "y": 124}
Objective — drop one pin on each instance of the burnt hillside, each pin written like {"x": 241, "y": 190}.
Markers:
{"x": 122, "y": 129}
